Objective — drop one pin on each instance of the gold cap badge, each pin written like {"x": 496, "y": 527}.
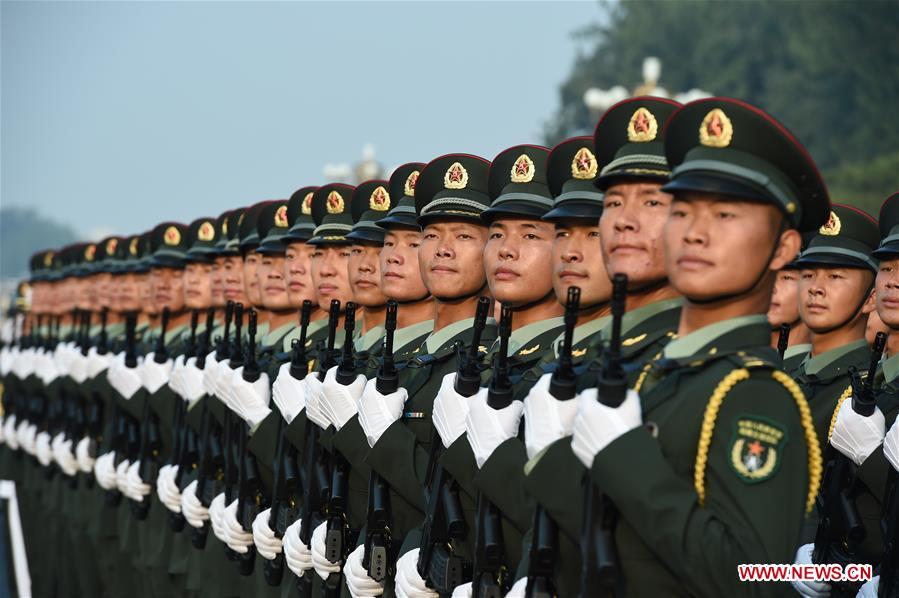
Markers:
{"x": 335, "y": 203}
{"x": 111, "y": 246}
{"x": 584, "y": 164}
{"x": 523, "y": 169}
{"x": 225, "y": 227}
{"x": 456, "y": 177}
{"x": 306, "y": 208}
{"x": 89, "y": 252}
{"x": 48, "y": 259}
{"x": 411, "y": 181}
{"x": 172, "y": 236}
{"x": 132, "y": 246}
{"x": 281, "y": 217}
{"x": 206, "y": 232}
{"x": 716, "y": 129}
{"x": 643, "y": 126}
{"x": 379, "y": 200}
{"x": 833, "y": 225}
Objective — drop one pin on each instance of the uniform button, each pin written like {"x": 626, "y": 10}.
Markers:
{"x": 652, "y": 428}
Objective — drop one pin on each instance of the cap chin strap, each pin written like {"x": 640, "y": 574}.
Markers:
{"x": 463, "y": 297}
{"x": 418, "y": 300}
{"x": 749, "y": 289}
{"x": 851, "y": 317}
{"x": 649, "y": 287}
{"x": 535, "y": 302}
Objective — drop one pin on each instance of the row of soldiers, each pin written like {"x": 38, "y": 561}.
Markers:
{"x": 559, "y": 373}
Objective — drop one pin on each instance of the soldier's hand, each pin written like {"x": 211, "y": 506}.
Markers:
{"x": 296, "y": 554}
{"x": 9, "y": 432}
{"x": 869, "y": 588}
{"x": 289, "y": 393}
{"x": 191, "y": 381}
{"x": 597, "y": 426}
{"x": 194, "y": 511}
{"x": 250, "y": 399}
{"x": 449, "y": 411}
{"x": 320, "y": 561}
{"x": 121, "y": 476}
{"x": 313, "y": 402}
{"x": 43, "y": 450}
{"x": 357, "y": 579}
{"x": 810, "y": 589}
{"x": 462, "y": 591}
{"x": 857, "y": 436}
{"x": 518, "y": 588}
{"x": 216, "y": 509}
{"x": 546, "y": 418}
{"x": 166, "y": 488}
{"x": 338, "y": 401}
{"x": 487, "y": 428}
{"x": 104, "y": 471}
{"x": 137, "y": 488}
{"x": 891, "y": 445}
{"x": 377, "y": 411}
{"x": 153, "y": 375}
{"x": 83, "y": 455}
{"x": 238, "y": 539}
{"x": 268, "y": 545}
{"x": 408, "y": 582}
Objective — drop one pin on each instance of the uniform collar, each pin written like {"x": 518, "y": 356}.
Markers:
{"x": 311, "y": 329}
{"x": 582, "y": 332}
{"x": 814, "y": 365}
{"x": 524, "y": 335}
{"x": 634, "y": 318}
{"x": 692, "y": 343}
{"x": 405, "y": 335}
{"x": 367, "y": 340}
{"x": 439, "y": 338}
{"x": 795, "y": 350}
{"x": 890, "y": 367}
{"x": 272, "y": 337}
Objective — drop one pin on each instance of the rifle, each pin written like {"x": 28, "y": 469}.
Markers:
{"x": 840, "y": 529}
{"x": 336, "y": 540}
{"x": 209, "y": 451}
{"x": 599, "y": 562}
{"x": 375, "y": 557}
{"x": 783, "y": 340}
{"x": 286, "y": 477}
{"x": 229, "y": 433}
{"x": 545, "y": 540}
{"x": 317, "y": 491}
{"x": 444, "y": 521}
{"x": 490, "y": 575}
{"x": 179, "y": 427}
{"x": 150, "y": 441}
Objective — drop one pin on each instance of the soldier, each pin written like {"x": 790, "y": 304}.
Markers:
{"x": 712, "y": 457}
{"x": 217, "y": 278}
{"x": 784, "y": 310}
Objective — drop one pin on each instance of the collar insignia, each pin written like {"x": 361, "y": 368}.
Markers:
{"x": 529, "y": 351}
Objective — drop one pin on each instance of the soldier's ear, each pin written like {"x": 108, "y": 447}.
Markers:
{"x": 871, "y": 302}
{"x": 788, "y": 246}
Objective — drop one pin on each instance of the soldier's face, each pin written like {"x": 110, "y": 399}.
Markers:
{"x": 518, "y": 272}
{"x": 85, "y": 295}
{"x": 145, "y": 293}
{"x": 298, "y": 273}
{"x": 128, "y": 292}
{"x": 274, "y": 287}
{"x": 828, "y": 297}
{"x": 233, "y": 280}
{"x": 168, "y": 288}
{"x": 65, "y": 299}
{"x": 330, "y": 274}
{"x": 365, "y": 275}
{"x": 784, "y": 307}
{"x": 104, "y": 290}
{"x": 251, "y": 285}
{"x": 400, "y": 276}
{"x": 577, "y": 263}
{"x": 217, "y": 282}
{"x": 887, "y": 287}
{"x": 631, "y": 227}
{"x": 198, "y": 286}
{"x": 716, "y": 246}
{"x": 451, "y": 258}
{"x": 873, "y": 326}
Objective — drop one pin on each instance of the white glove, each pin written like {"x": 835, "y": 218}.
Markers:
{"x": 2, "y": 430}
{"x": 518, "y": 588}
{"x": 191, "y": 381}
{"x": 357, "y": 579}
{"x": 210, "y": 373}
{"x": 166, "y": 488}
{"x": 487, "y": 428}
{"x": 313, "y": 401}
{"x": 408, "y": 581}
{"x": 95, "y": 363}
{"x": 322, "y": 565}
{"x": 137, "y": 488}
{"x": 194, "y": 511}
{"x": 449, "y": 411}
{"x": 29, "y": 437}
{"x": 121, "y": 476}
{"x": 810, "y": 589}
{"x": 47, "y": 369}
{"x": 857, "y": 436}
{"x": 546, "y": 418}
{"x": 238, "y": 539}
{"x": 153, "y": 375}
{"x": 9, "y": 432}
{"x": 596, "y": 425}
{"x": 83, "y": 455}
{"x": 377, "y": 412}
{"x": 222, "y": 380}
{"x": 296, "y": 554}
{"x": 216, "y": 512}
{"x": 125, "y": 380}
{"x": 78, "y": 367}
{"x": 175, "y": 377}
{"x": 250, "y": 398}
{"x": 869, "y": 588}
{"x": 462, "y": 591}
{"x": 104, "y": 471}
{"x": 891, "y": 445}
{"x": 62, "y": 453}
{"x": 43, "y": 449}
{"x": 268, "y": 545}
{"x": 338, "y": 402}
{"x": 288, "y": 393}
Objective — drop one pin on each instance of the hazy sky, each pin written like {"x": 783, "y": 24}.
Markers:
{"x": 117, "y": 116}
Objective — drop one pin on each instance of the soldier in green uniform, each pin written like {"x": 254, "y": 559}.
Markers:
{"x": 784, "y": 309}
{"x": 872, "y": 442}
{"x": 712, "y": 457}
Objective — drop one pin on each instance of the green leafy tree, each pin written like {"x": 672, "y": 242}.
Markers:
{"x": 24, "y": 232}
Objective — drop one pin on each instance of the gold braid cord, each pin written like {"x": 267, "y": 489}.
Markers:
{"x": 708, "y": 428}
{"x": 645, "y": 372}
{"x": 711, "y": 415}
{"x": 815, "y": 466}
{"x": 833, "y": 418}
